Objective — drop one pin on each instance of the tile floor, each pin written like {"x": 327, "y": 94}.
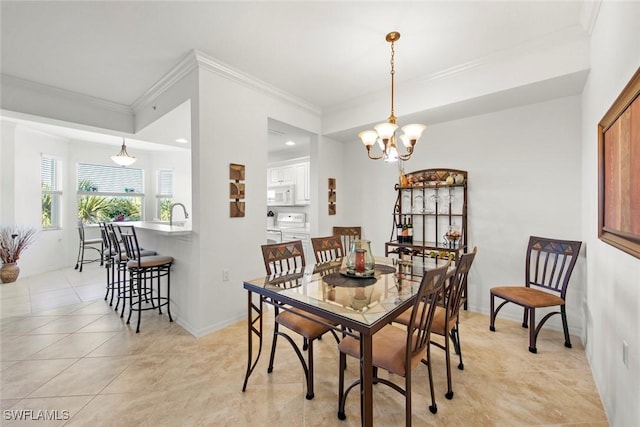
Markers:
{"x": 64, "y": 351}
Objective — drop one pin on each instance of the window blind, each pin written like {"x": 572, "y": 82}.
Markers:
{"x": 109, "y": 179}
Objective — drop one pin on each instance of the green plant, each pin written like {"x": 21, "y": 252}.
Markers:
{"x": 165, "y": 209}
{"x": 13, "y": 241}
{"x": 91, "y": 208}
{"x": 123, "y": 207}
{"x": 46, "y": 210}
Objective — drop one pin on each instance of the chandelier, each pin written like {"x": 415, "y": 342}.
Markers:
{"x": 385, "y": 133}
{"x": 123, "y": 158}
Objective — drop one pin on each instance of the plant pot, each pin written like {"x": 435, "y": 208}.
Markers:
{"x": 9, "y": 272}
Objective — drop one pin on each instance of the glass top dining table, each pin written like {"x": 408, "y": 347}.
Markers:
{"x": 360, "y": 306}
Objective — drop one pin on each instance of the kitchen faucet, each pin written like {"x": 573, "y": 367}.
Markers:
{"x": 173, "y": 205}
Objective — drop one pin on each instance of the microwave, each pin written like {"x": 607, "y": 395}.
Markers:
{"x": 281, "y": 195}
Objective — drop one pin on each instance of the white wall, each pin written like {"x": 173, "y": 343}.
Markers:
{"x": 233, "y": 128}
{"x": 613, "y": 289}
{"x": 51, "y": 248}
{"x": 524, "y": 179}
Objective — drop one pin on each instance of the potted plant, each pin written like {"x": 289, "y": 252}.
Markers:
{"x": 13, "y": 241}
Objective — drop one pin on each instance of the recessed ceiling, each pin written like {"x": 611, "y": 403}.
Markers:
{"x": 323, "y": 52}
{"x": 326, "y": 53}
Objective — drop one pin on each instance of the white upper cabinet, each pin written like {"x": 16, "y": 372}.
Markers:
{"x": 302, "y": 183}
{"x": 284, "y": 175}
{"x": 296, "y": 174}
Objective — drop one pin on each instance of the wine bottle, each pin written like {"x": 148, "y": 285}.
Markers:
{"x": 399, "y": 229}
{"x": 410, "y": 231}
{"x": 405, "y": 231}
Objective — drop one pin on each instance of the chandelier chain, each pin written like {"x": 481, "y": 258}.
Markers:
{"x": 392, "y": 117}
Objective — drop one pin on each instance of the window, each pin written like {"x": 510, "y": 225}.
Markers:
{"x": 164, "y": 194}
{"x": 50, "y": 183}
{"x": 109, "y": 193}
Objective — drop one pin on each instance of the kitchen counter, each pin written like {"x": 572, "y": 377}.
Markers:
{"x": 161, "y": 228}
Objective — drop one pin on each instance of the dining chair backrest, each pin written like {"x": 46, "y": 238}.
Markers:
{"x": 348, "y": 235}
{"x": 327, "y": 248}
{"x": 283, "y": 257}
{"x": 550, "y": 262}
{"x": 455, "y": 290}
{"x": 422, "y": 314}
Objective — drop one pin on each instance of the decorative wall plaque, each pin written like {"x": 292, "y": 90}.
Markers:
{"x": 236, "y": 190}
{"x": 332, "y": 196}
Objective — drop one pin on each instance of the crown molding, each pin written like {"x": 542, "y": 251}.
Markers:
{"x": 208, "y": 63}
{"x": 187, "y": 64}
{"x": 200, "y": 60}
{"x": 589, "y": 15}
{"x": 55, "y": 92}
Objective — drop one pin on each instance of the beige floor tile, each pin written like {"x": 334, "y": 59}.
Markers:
{"x": 26, "y": 376}
{"x": 13, "y": 290}
{"x": 88, "y": 376}
{"x": 74, "y": 345}
{"x": 165, "y": 377}
{"x": 91, "y": 292}
{"x": 54, "y": 298}
{"x": 17, "y": 306}
{"x": 67, "y": 324}
{"x": 21, "y": 347}
{"x": 22, "y": 325}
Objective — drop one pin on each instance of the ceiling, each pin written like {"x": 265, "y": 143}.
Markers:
{"x": 326, "y": 53}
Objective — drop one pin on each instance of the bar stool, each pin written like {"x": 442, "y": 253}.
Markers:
{"x": 142, "y": 272}
{"x": 118, "y": 266}
{"x": 87, "y": 244}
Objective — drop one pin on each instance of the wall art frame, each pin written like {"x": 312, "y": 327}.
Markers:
{"x": 619, "y": 171}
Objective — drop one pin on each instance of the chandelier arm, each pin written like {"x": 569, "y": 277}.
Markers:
{"x": 373, "y": 157}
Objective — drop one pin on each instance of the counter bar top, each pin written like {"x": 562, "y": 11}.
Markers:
{"x": 163, "y": 229}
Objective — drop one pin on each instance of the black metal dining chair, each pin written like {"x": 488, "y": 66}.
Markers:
{"x": 84, "y": 243}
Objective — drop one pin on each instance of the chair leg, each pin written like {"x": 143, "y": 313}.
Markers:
{"x": 310, "y": 393}
{"x": 139, "y": 301}
{"x": 341, "y": 396}
{"x": 407, "y": 397}
{"x": 532, "y": 329}
{"x": 81, "y": 256}
{"x": 524, "y": 319}
{"x": 492, "y": 318}
{"x": 565, "y": 326}
{"x": 78, "y": 258}
{"x": 433, "y": 408}
{"x": 456, "y": 333}
{"x": 169, "y": 293}
{"x": 449, "y": 393}
{"x": 273, "y": 346}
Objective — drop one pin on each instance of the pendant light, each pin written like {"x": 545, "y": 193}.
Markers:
{"x": 123, "y": 158}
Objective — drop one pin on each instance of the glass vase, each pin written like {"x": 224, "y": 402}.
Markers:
{"x": 360, "y": 260}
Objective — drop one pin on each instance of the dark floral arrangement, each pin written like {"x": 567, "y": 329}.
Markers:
{"x": 13, "y": 241}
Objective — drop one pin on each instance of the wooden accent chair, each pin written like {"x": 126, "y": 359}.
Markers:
{"x": 87, "y": 244}
{"x": 548, "y": 268}
{"x": 446, "y": 322}
{"x": 348, "y": 235}
{"x": 327, "y": 248}
{"x": 399, "y": 351}
{"x": 280, "y": 258}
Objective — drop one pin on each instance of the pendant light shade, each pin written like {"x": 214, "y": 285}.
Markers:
{"x": 123, "y": 158}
